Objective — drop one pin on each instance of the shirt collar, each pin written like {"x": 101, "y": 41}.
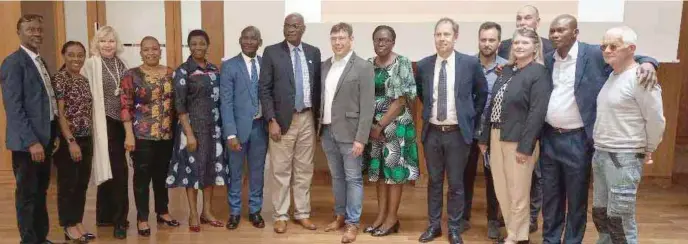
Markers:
{"x": 247, "y": 59}
{"x": 345, "y": 59}
{"x": 291, "y": 47}
{"x": 498, "y": 61}
{"x": 573, "y": 53}
{"x": 449, "y": 59}
{"x": 31, "y": 53}
{"x": 192, "y": 65}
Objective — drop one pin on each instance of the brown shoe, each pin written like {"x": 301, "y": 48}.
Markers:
{"x": 280, "y": 226}
{"x": 337, "y": 224}
{"x": 307, "y": 224}
{"x": 350, "y": 234}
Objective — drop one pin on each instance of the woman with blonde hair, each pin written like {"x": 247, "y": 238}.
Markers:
{"x": 104, "y": 70}
{"x": 514, "y": 118}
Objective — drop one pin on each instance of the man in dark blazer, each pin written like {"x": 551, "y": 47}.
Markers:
{"x": 289, "y": 93}
{"x": 244, "y": 127}
{"x": 454, "y": 92}
{"x": 31, "y": 114}
{"x": 578, "y": 74}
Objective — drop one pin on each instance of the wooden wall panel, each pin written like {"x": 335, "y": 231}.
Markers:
{"x": 11, "y": 12}
{"x": 671, "y": 78}
{"x": 47, "y": 50}
{"x": 95, "y": 16}
{"x": 60, "y": 31}
{"x": 213, "y": 19}
{"x": 173, "y": 23}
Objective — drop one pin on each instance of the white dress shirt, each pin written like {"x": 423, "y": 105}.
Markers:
{"x": 305, "y": 73}
{"x": 247, "y": 61}
{"x": 46, "y": 81}
{"x": 331, "y": 83}
{"x": 451, "y": 104}
{"x": 562, "y": 111}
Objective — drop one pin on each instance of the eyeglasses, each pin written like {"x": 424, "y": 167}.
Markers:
{"x": 295, "y": 26}
{"x": 612, "y": 47}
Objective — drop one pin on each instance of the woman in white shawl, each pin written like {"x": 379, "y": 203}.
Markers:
{"x": 104, "y": 70}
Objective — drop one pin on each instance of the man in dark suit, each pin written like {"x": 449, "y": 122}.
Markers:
{"x": 289, "y": 93}
{"x": 578, "y": 74}
{"x": 454, "y": 92}
{"x": 30, "y": 108}
{"x": 244, "y": 127}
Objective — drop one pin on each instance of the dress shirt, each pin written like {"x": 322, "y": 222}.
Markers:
{"x": 451, "y": 104}
{"x": 331, "y": 83}
{"x": 46, "y": 81}
{"x": 491, "y": 76}
{"x": 562, "y": 111}
{"x": 247, "y": 60}
{"x": 305, "y": 71}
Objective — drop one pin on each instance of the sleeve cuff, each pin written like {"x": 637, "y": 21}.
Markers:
{"x": 231, "y": 137}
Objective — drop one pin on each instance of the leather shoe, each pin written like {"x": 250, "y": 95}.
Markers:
{"x": 430, "y": 234}
{"x": 350, "y": 234}
{"x": 256, "y": 220}
{"x": 233, "y": 222}
{"x": 493, "y": 229}
{"x": 120, "y": 232}
{"x": 337, "y": 224}
{"x": 280, "y": 226}
{"x": 455, "y": 237}
{"x": 307, "y": 224}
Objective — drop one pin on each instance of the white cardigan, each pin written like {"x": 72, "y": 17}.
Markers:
{"x": 93, "y": 70}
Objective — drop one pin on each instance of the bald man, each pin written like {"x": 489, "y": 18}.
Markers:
{"x": 527, "y": 17}
{"x": 578, "y": 73}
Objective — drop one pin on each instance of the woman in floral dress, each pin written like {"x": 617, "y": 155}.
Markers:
{"x": 392, "y": 155}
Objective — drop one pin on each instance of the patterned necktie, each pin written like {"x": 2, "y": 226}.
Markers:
{"x": 48, "y": 86}
{"x": 254, "y": 79}
{"x": 298, "y": 73}
{"x": 442, "y": 93}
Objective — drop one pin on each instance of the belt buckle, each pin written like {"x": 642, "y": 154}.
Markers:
{"x": 444, "y": 128}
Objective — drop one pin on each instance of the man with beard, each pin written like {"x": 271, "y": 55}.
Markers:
{"x": 489, "y": 35}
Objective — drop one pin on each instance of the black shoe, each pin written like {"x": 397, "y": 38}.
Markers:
{"x": 380, "y": 232}
{"x": 464, "y": 226}
{"x": 144, "y": 232}
{"x": 90, "y": 236}
{"x": 68, "y": 237}
{"x": 455, "y": 237}
{"x": 120, "y": 232}
{"x": 371, "y": 229}
{"x": 430, "y": 234}
{"x": 493, "y": 229}
{"x": 233, "y": 222}
{"x": 256, "y": 220}
{"x": 170, "y": 223}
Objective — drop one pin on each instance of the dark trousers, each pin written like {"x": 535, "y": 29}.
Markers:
{"x": 566, "y": 161}
{"x": 151, "y": 162}
{"x": 112, "y": 205}
{"x": 536, "y": 191}
{"x": 445, "y": 152}
{"x": 254, "y": 151}
{"x": 468, "y": 183}
{"x": 32, "y": 179}
{"x": 72, "y": 181}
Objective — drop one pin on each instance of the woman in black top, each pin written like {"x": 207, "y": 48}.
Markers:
{"x": 514, "y": 118}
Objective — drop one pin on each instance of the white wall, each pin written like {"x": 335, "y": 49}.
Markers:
{"x": 191, "y": 20}
{"x": 75, "y": 22}
{"x": 134, "y": 20}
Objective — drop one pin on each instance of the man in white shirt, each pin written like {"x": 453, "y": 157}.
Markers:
{"x": 348, "y": 94}
{"x": 629, "y": 127}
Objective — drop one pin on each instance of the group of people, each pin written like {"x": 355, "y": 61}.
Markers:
{"x": 542, "y": 113}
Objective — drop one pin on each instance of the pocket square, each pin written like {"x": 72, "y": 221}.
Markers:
{"x": 310, "y": 61}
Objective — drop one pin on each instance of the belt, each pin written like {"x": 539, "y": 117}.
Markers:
{"x": 302, "y": 110}
{"x": 444, "y": 128}
{"x": 565, "y": 131}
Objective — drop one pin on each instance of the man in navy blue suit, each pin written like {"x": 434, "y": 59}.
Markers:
{"x": 31, "y": 110}
{"x": 578, "y": 73}
{"x": 244, "y": 127}
{"x": 454, "y": 92}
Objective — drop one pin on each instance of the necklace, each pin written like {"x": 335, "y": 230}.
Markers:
{"x": 118, "y": 90}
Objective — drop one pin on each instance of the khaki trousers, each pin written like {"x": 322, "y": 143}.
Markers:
{"x": 512, "y": 185}
{"x": 292, "y": 167}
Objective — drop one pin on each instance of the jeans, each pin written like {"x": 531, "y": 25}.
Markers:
{"x": 616, "y": 178}
{"x": 254, "y": 151}
{"x": 347, "y": 177}
{"x": 72, "y": 181}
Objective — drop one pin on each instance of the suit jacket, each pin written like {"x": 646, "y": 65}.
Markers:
{"x": 353, "y": 104}
{"x": 524, "y": 106}
{"x": 238, "y": 104}
{"x": 591, "y": 74}
{"x": 276, "y": 86}
{"x": 470, "y": 91}
{"x": 505, "y": 47}
{"x": 27, "y": 105}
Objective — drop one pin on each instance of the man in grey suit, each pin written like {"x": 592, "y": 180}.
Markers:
{"x": 454, "y": 92}
{"x": 289, "y": 89}
{"x": 244, "y": 127}
{"x": 347, "y": 115}
{"x": 31, "y": 110}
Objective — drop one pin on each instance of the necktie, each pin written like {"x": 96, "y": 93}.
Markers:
{"x": 254, "y": 78}
{"x": 298, "y": 73}
{"x": 48, "y": 86}
{"x": 442, "y": 93}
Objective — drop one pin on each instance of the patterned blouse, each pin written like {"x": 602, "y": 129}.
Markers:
{"x": 147, "y": 100}
{"x": 78, "y": 103}
{"x": 110, "y": 81}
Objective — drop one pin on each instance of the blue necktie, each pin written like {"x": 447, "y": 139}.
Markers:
{"x": 442, "y": 93}
{"x": 298, "y": 73}
{"x": 254, "y": 79}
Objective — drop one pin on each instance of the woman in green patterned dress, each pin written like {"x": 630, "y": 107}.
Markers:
{"x": 391, "y": 155}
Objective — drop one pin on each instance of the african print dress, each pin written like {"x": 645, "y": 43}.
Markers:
{"x": 394, "y": 160}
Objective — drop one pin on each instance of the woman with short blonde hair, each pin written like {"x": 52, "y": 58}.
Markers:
{"x": 104, "y": 70}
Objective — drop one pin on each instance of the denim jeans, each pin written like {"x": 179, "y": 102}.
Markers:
{"x": 616, "y": 177}
{"x": 347, "y": 177}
